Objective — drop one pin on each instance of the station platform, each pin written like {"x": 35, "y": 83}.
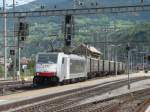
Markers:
{"x": 134, "y": 86}
{"x": 148, "y": 109}
{"x": 142, "y": 84}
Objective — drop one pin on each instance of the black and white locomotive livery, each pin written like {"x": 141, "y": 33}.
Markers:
{"x": 59, "y": 67}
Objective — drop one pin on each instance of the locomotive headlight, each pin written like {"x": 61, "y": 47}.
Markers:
{"x": 37, "y": 73}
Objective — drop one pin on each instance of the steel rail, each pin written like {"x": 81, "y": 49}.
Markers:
{"x": 11, "y": 87}
{"x": 107, "y": 105}
{"x": 80, "y": 95}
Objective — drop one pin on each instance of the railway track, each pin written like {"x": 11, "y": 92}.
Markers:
{"x": 131, "y": 102}
{"x": 59, "y": 102}
{"x": 10, "y": 87}
{"x": 13, "y": 87}
{"x": 3, "y": 83}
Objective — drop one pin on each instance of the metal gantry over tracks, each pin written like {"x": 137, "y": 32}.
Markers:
{"x": 80, "y": 11}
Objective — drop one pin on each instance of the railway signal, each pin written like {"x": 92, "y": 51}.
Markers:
{"x": 142, "y": 1}
{"x": 23, "y": 29}
{"x": 22, "y": 38}
{"x": 23, "y": 32}
{"x": 12, "y": 52}
{"x": 128, "y": 47}
{"x": 68, "y": 32}
{"x": 148, "y": 57}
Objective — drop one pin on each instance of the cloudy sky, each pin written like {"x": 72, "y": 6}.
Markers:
{"x": 19, "y": 2}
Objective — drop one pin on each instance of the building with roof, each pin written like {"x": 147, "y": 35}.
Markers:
{"x": 24, "y": 61}
{"x": 87, "y": 51}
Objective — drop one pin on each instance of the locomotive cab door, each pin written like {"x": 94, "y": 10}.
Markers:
{"x": 64, "y": 68}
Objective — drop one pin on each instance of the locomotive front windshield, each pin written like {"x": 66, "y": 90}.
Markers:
{"x": 47, "y": 58}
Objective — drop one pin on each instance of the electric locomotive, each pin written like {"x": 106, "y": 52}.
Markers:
{"x": 58, "y": 67}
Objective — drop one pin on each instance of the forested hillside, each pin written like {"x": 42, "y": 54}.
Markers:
{"x": 45, "y": 35}
{"x": 47, "y": 32}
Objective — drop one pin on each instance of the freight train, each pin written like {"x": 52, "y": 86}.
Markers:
{"x": 63, "y": 68}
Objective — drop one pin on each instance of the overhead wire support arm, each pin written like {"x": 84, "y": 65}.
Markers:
{"x": 119, "y": 42}
{"x": 97, "y": 10}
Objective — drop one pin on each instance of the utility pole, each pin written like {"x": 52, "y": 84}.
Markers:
{"x": 18, "y": 71}
{"x": 116, "y": 61}
{"x": 128, "y": 69}
{"x": 5, "y": 38}
{"x": 105, "y": 44}
{"x": 14, "y": 42}
{"x": 116, "y": 57}
{"x": 18, "y": 45}
{"x": 128, "y": 64}
{"x": 131, "y": 62}
{"x": 143, "y": 61}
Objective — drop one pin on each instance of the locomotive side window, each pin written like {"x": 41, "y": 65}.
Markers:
{"x": 63, "y": 60}
{"x": 77, "y": 66}
{"x": 47, "y": 58}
